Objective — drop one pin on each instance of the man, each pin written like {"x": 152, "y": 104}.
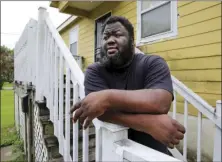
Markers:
{"x": 133, "y": 90}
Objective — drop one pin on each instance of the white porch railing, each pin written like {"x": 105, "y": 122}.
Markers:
{"x": 213, "y": 114}
{"x": 41, "y": 57}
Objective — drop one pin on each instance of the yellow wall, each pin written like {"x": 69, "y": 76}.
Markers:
{"x": 194, "y": 56}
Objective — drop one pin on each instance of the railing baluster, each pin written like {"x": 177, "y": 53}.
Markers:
{"x": 85, "y": 145}
{"x": 67, "y": 116}
{"x": 199, "y": 131}
{"x": 56, "y": 67}
{"x": 174, "y": 105}
{"x": 61, "y": 79}
{"x": 44, "y": 61}
{"x": 217, "y": 135}
{"x": 185, "y": 125}
{"x": 98, "y": 144}
{"x": 76, "y": 125}
{"x": 51, "y": 79}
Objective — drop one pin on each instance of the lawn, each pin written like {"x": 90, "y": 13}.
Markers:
{"x": 7, "y": 108}
{"x": 7, "y": 84}
{"x": 8, "y": 135}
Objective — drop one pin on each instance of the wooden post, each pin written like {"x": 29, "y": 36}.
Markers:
{"x": 39, "y": 54}
{"x": 108, "y": 135}
{"x": 217, "y": 136}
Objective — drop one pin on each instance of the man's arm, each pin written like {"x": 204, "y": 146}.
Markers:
{"x": 165, "y": 130}
{"x": 155, "y": 98}
{"x": 152, "y": 101}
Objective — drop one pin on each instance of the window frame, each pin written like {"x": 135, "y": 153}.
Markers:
{"x": 157, "y": 37}
{"x": 75, "y": 29}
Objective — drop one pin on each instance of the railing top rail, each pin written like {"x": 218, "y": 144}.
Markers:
{"x": 24, "y": 35}
{"x": 196, "y": 101}
{"x": 72, "y": 64}
{"x": 133, "y": 151}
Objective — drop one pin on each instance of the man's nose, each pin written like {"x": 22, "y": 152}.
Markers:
{"x": 111, "y": 40}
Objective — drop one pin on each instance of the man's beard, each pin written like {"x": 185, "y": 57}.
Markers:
{"x": 119, "y": 60}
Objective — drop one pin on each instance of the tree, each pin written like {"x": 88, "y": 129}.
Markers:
{"x": 6, "y": 64}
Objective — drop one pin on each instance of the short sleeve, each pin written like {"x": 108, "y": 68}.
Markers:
{"x": 157, "y": 74}
{"x": 93, "y": 81}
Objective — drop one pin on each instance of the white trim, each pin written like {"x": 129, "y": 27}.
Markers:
{"x": 66, "y": 22}
{"x": 74, "y": 29}
{"x": 157, "y": 37}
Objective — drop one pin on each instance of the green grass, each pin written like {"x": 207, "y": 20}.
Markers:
{"x": 7, "y": 108}
{"x": 7, "y": 84}
{"x": 8, "y": 134}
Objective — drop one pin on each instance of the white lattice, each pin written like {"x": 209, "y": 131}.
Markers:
{"x": 41, "y": 153}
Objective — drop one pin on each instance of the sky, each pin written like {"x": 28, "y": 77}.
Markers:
{"x": 16, "y": 14}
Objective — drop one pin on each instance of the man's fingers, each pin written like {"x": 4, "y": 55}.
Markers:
{"x": 76, "y": 106}
{"x": 86, "y": 123}
{"x": 82, "y": 117}
{"x": 170, "y": 145}
{"x": 181, "y": 128}
{"x": 175, "y": 141}
{"x": 77, "y": 114}
{"x": 179, "y": 135}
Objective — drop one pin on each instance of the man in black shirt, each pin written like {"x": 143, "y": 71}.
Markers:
{"x": 134, "y": 90}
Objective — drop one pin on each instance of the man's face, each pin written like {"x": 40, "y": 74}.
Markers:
{"x": 116, "y": 45}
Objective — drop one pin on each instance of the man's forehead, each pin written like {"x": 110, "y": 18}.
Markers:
{"x": 114, "y": 27}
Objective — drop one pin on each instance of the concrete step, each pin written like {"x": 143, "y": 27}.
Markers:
{"x": 52, "y": 145}
{"x": 60, "y": 159}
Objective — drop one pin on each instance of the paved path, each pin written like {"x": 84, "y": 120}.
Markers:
{"x": 7, "y": 153}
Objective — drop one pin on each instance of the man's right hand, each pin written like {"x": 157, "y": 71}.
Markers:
{"x": 165, "y": 130}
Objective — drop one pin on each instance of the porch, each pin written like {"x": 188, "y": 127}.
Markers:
{"x": 43, "y": 71}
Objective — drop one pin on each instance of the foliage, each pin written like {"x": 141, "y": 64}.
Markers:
{"x": 6, "y": 64}
{"x": 8, "y": 136}
{"x": 18, "y": 148}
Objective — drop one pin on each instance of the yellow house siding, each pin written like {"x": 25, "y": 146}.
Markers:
{"x": 194, "y": 56}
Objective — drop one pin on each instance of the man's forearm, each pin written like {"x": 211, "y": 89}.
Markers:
{"x": 150, "y": 101}
{"x": 134, "y": 121}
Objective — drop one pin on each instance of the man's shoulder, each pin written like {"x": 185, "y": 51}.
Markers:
{"x": 93, "y": 68}
{"x": 147, "y": 59}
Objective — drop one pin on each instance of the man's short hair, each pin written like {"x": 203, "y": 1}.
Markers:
{"x": 125, "y": 22}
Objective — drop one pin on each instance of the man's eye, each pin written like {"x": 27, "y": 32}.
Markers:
{"x": 118, "y": 35}
{"x": 105, "y": 38}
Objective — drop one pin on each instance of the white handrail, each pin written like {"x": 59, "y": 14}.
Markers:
{"x": 133, "y": 151}
{"x": 196, "y": 101}
{"x": 75, "y": 69}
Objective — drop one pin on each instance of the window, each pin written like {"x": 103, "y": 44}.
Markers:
{"x": 73, "y": 41}
{"x": 156, "y": 20}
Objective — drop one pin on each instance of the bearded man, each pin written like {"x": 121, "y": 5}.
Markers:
{"x": 133, "y": 90}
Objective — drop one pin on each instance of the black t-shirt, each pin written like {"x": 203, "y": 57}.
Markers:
{"x": 144, "y": 72}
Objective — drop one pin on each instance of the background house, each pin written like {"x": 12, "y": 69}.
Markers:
{"x": 48, "y": 80}
{"x": 187, "y": 34}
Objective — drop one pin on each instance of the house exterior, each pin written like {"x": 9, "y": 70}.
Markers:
{"x": 48, "y": 80}
{"x": 187, "y": 34}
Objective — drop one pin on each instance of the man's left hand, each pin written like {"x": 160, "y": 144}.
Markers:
{"x": 93, "y": 105}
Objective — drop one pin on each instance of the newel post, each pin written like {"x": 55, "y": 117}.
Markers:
{"x": 39, "y": 54}
{"x": 106, "y": 136}
{"x": 217, "y": 136}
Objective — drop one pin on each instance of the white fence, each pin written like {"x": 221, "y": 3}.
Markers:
{"x": 41, "y": 57}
